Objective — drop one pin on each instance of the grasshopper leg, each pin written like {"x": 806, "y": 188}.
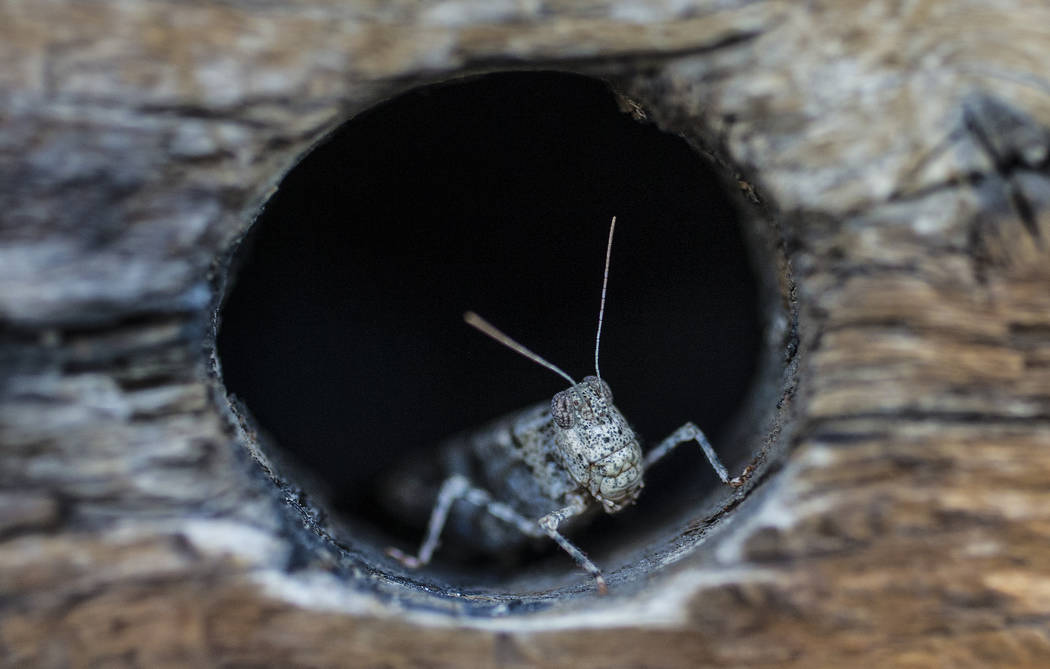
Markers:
{"x": 686, "y": 433}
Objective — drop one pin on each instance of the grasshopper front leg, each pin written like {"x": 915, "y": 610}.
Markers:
{"x": 550, "y": 523}
{"x": 686, "y": 433}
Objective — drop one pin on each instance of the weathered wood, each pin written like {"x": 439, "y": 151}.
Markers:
{"x": 905, "y": 148}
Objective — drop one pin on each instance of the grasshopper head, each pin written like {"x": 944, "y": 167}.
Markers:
{"x": 598, "y": 447}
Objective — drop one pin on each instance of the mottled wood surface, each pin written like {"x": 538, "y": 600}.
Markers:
{"x": 904, "y": 147}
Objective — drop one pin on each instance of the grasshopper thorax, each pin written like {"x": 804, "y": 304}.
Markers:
{"x": 597, "y": 446}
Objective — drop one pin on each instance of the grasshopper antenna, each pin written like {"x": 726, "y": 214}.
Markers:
{"x": 601, "y": 310}
{"x": 480, "y": 323}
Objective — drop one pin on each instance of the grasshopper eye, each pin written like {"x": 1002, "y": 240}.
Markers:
{"x": 600, "y": 387}
{"x": 561, "y": 409}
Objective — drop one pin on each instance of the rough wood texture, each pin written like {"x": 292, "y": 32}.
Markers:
{"x": 907, "y": 145}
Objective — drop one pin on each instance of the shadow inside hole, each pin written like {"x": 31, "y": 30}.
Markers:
{"x": 342, "y": 331}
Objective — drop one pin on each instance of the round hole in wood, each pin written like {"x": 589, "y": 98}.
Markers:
{"x": 342, "y": 335}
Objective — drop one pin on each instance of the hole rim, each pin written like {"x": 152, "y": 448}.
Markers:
{"x": 775, "y": 377}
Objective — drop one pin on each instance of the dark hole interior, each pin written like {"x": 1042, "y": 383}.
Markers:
{"x": 342, "y": 331}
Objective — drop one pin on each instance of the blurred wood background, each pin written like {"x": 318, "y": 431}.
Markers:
{"x": 904, "y": 148}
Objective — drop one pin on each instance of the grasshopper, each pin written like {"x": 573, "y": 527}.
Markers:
{"x": 535, "y": 470}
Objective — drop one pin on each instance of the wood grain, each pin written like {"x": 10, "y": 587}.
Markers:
{"x": 902, "y": 151}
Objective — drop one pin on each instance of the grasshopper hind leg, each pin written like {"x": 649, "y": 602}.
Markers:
{"x": 458, "y": 487}
{"x": 454, "y": 488}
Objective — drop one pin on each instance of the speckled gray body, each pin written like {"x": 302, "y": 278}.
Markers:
{"x": 529, "y": 462}
{"x": 529, "y": 474}
{"x": 546, "y": 466}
